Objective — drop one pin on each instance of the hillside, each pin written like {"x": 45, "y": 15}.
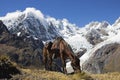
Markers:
{"x": 48, "y": 75}
{"x": 10, "y": 70}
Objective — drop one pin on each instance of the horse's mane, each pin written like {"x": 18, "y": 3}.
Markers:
{"x": 57, "y": 41}
{"x": 60, "y": 39}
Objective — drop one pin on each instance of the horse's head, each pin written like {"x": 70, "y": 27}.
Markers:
{"x": 76, "y": 64}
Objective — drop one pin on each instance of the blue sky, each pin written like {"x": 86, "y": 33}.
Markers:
{"x": 80, "y": 12}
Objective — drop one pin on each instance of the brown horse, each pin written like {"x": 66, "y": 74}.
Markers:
{"x": 61, "y": 49}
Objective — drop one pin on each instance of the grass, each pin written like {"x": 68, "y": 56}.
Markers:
{"x": 107, "y": 76}
{"x": 50, "y": 75}
{"x": 44, "y": 75}
{"x": 34, "y": 74}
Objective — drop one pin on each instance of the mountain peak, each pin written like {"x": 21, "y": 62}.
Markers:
{"x": 97, "y": 25}
{"x": 28, "y": 12}
{"x": 118, "y": 20}
{"x": 32, "y": 11}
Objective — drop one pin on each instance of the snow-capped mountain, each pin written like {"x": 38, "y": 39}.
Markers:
{"x": 32, "y": 22}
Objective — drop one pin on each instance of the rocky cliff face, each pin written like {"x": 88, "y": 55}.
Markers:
{"x": 105, "y": 59}
{"x": 24, "y": 50}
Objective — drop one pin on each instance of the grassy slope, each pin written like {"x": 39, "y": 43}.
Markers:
{"x": 28, "y": 74}
{"x": 35, "y": 74}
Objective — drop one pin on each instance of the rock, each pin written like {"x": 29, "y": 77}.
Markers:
{"x": 105, "y": 59}
{"x": 81, "y": 52}
{"x": 3, "y": 28}
{"x": 93, "y": 37}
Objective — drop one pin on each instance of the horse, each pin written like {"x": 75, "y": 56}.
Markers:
{"x": 60, "y": 48}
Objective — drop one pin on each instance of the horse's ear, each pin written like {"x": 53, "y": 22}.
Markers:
{"x": 48, "y": 45}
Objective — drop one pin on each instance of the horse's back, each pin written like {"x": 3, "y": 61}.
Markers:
{"x": 56, "y": 42}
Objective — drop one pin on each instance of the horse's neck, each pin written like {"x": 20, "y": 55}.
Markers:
{"x": 73, "y": 57}
{"x": 66, "y": 45}
{"x": 71, "y": 53}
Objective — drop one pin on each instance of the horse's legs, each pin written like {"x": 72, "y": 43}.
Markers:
{"x": 77, "y": 62}
{"x": 63, "y": 63}
{"x": 45, "y": 62}
{"x": 50, "y": 61}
